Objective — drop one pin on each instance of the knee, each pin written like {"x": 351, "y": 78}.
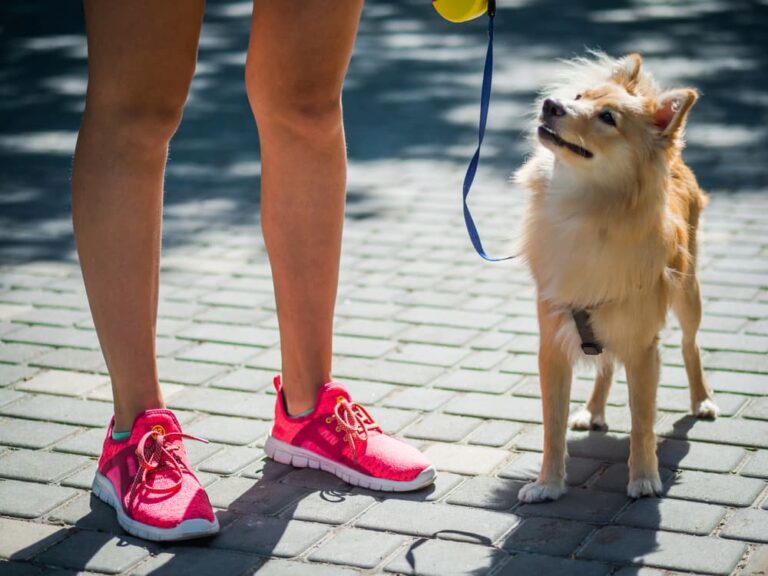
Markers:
{"x": 135, "y": 122}
{"x": 310, "y": 111}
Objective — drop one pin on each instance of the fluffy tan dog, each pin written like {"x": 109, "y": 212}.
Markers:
{"x": 610, "y": 237}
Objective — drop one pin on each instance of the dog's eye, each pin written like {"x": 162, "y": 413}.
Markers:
{"x": 608, "y": 118}
{"x": 578, "y": 97}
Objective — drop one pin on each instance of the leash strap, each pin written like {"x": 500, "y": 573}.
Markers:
{"x": 589, "y": 343}
{"x": 485, "y": 98}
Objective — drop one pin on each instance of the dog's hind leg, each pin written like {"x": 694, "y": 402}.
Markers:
{"x": 592, "y": 416}
{"x": 555, "y": 378}
{"x": 643, "y": 380}
{"x": 687, "y": 307}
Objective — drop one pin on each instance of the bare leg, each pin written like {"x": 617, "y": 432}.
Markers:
{"x": 643, "y": 381}
{"x": 294, "y": 75}
{"x": 592, "y": 416}
{"x": 555, "y": 377}
{"x": 141, "y": 60}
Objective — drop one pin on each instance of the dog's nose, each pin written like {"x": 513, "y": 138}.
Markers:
{"x": 552, "y": 108}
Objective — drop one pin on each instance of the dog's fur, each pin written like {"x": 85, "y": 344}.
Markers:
{"x": 614, "y": 233}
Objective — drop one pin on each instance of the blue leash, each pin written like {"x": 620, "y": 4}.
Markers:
{"x": 485, "y": 98}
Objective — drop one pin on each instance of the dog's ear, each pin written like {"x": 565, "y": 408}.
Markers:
{"x": 627, "y": 70}
{"x": 672, "y": 109}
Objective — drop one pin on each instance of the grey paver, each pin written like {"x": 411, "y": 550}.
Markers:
{"x": 254, "y": 497}
{"x": 270, "y": 536}
{"x": 246, "y": 379}
{"x": 535, "y": 564}
{"x": 359, "y": 548}
{"x": 442, "y": 427}
{"x": 291, "y": 568}
{"x": 662, "y": 549}
{"x": 30, "y": 499}
{"x": 578, "y": 504}
{"x": 747, "y": 524}
{"x": 757, "y": 564}
{"x": 328, "y": 507}
{"x": 437, "y": 521}
{"x": 97, "y": 552}
{"x": 470, "y": 460}
{"x": 526, "y": 467}
{"x": 38, "y": 466}
{"x": 184, "y": 372}
{"x": 217, "y": 353}
{"x": 231, "y": 460}
{"x": 31, "y": 434}
{"x": 616, "y": 478}
{"x": 674, "y": 515}
{"x": 23, "y": 540}
{"x": 229, "y": 430}
{"x": 439, "y": 558}
{"x": 495, "y": 433}
{"x": 87, "y": 511}
{"x": 553, "y": 536}
{"x": 10, "y": 373}
{"x": 423, "y": 399}
{"x": 71, "y": 359}
{"x": 196, "y": 562}
{"x": 757, "y": 465}
{"x": 62, "y": 382}
{"x": 477, "y": 381}
{"x": 722, "y": 431}
{"x": 385, "y": 371}
{"x": 225, "y": 402}
{"x": 498, "y": 407}
{"x": 486, "y": 492}
{"x": 715, "y": 488}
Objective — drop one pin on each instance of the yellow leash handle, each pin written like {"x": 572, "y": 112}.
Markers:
{"x": 460, "y": 10}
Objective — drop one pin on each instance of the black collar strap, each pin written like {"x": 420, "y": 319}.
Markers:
{"x": 589, "y": 343}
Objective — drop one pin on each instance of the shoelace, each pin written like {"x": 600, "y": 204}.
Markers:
{"x": 164, "y": 452}
{"x": 355, "y": 421}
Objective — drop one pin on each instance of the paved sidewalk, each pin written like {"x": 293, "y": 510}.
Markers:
{"x": 439, "y": 343}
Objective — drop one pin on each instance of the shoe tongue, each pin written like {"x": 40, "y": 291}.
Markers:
{"x": 162, "y": 420}
{"x": 330, "y": 392}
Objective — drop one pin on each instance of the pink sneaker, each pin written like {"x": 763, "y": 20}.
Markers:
{"x": 147, "y": 479}
{"x": 340, "y": 437}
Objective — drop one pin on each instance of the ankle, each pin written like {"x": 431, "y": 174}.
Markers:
{"x": 297, "y": 407}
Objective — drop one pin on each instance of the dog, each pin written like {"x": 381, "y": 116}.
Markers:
{"x": 610, "y": 239}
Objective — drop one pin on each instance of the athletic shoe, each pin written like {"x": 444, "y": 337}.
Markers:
{"x": 147, "y": 479}
{"x": 342, "y": 438}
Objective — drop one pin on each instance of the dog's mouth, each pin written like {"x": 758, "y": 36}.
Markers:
{"x": 548, "y": 134}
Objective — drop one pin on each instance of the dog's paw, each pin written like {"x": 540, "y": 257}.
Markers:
{"x": 583, "y": 419}
{"x": 541, "y": 491}
{"x": 706, "y": 409}
{"x": 649, "y": 485}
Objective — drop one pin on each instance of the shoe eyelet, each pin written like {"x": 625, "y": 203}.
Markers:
{"x": 338, "y": 428}
{"x": 339, "y": 399}
{"x": 328, "y": 420}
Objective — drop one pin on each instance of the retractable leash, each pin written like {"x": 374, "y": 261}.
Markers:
{"x": 462, "y": 11}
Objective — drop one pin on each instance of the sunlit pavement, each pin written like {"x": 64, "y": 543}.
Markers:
{"x": 440, "y": 344}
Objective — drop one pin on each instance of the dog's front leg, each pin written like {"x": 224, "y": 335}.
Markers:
{"x": 643, "y": 379}
{"x": 555, "y": 380}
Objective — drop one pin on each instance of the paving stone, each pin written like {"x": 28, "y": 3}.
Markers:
{"x": 578, "y": 504}
{"x": 449, "y": 317}
{"x": 738, "y": 362}
{"x": 97, "y": 552}
{"x": 30, "y": 434}
{"x": 475, "y": 381}
{"x": 442, "y": 427}
{"x": 679, "y": 400}
{"x": 521, "y": 364}
{"x": 526, "y": 467}
{"x": 60, "y": 409}
{"x": 757, "y": 465}
{"x": 359, "y": 548}
{"x": 486, "y": 492}
{"x": 368, "y": 393}
{"x": 82, "y": 479}
{"x": 385, "y": 371}
{"x": 71, "y": 359}
{"x": 470, "y": 460}
{"x": 312, "y": 479}
{"x": 536, "y": 564}
{"x": 246, "y": 379}
{"x": 20, "y": 353}
{"x": 424, "y": 399}
{"x": 738, "y": 382}
{"x": 392, "y": 420}
{"x": 439, "y": 558}
{"x": 550, "y": 536}
{"x": 444, "y": 483}
{"x": 11, "y": 373}
{"x": 291, "y": 568}
{"x": 225, "y": 402}
{"x": 724, "y": 489}
{"x": 431, "y": 355}
{"x": 231, "y": 460}
{"x": 9, "y": 396}
{"x": 616, "y": 478}
{"x": 757, "y": 564}
{"x": 88, "y": 442}
{"x": 437, "y": 521}
{"x": 38, "y": 466}
{"x": 361, "y": 347}
{"x": 747, "y": 524}
{"x": 217, "y": 353}
{"x": 483, "y": 360}
{"x": 54, "y": 336}
{"x": 495, "y": 433}
{"x": 229, "y": 430}
{"x": 29, "y": 499}
{"x": 662, "y": 549}
{"x": 674, "y": 515}
{"x": 758, "y": 408}
{"x": 63, "y": 383}
{"x": 752, "y": 433}
{"x": 366, "y": 328}
{"x": 183, "y": 372}
{"x": 253, "y": 497}
{"x": 496, "y": 407}
{"x": 24, "y": 540}
{"x": 52, "y": 317}
{"x": 699, "y": 455}
{"x": 196, "y": 562}
{"x": 270, "y": 536}
{"x": 88, "y": 512}
{"x": 328, "y": 507}
{"x": 442, "y": 335}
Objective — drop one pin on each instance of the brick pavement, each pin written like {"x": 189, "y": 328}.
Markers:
{"x": 440, "y": 344}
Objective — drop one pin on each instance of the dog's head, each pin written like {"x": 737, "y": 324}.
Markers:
{"x": 607, "y": 116}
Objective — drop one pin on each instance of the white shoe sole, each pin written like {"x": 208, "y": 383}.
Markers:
{"x": 286, "y": 453}
{"x": 195, "y": 528}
